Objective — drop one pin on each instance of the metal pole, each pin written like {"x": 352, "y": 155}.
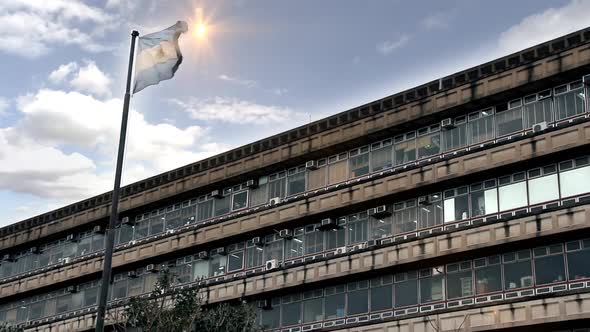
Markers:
{"x": 108, "y": 255}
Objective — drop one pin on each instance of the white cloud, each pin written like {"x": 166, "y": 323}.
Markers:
{"x": 234, "y": 111}
{"x": 91, "y": 79}
{"x": 63, "y": 71}
{"x": 238, "y": 81}
{"x": 546, "y": 25}
{"x": 389, "y": 46}
{"x": 31, "y": 28}
{"x": 4, "y": 105}
{"x": 438, "y": 20}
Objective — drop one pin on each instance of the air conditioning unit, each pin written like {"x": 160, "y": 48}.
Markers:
{"x": 98, "y": 229}
{"x": 340, "y": 251}
{"x": 203, "y": 255}
{"x": 311, "y": 165}
{"x": 132, "y": 242}
{"x": 379, "y": 212}
{"x": 372, "y": 243}
{"x": 274, "y": 201}
{"x": 252, "y": 183}
{"x": 216, "y": 193}
{"x": 286, "y": 233}
{"x": 131, "y": 274}
{"x": 271, "y": 265}
{"x": 257, "y": 241}
{"x": 539, "y": 127}
{"x": 151, "y": 268}
{"x": 8, "y": 258}
{"x": 170, "y": 231}
{"x": 72, "y": 238}
{"x": 328, "y": 223}
{"x": 64, "y": 260}
{"x": 72, "y": 289}
{"x": 127, "y": 221}
{"x": 423, "y": 200}
{"x": 219, "y": 251}
{"x": 34, "y": 250}
{"x": 447, "y": 124}
{"x": 265, "y": 304}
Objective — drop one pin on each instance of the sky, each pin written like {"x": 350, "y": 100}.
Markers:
{"x": 264, "y": 67}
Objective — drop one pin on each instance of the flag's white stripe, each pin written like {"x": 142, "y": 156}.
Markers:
{"x": 161, "y": 53}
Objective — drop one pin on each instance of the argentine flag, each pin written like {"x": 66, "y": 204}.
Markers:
{"x": 158, "y": 56}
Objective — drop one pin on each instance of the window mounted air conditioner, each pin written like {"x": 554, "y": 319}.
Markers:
{"x": 64, "y": 260}
{"x": 274, "y": 201}
{"x": 131, "y": 274}
{"x": 526, "y": 281}
{"x": 311, "y": 165}
{"x": 151, "y": 268}
{"x": 257, "y": 241}
{"x": 372, "y": 243}
{"x": 219, "y": 251}
{"x": 8, "y": 258}
{"x": 447, "y": 124}
{"x": 216, "y": 193}
{"x": 379, "y": 212}
{"x": 170, "y": 231}
{"x": 34, "y": 250}
{"x": 203, "y": 255}
{"x": 252, "y": 183}
{"x": 328, "y": 223}
{"x": 127, "y": 221}
{"x": 340, "y": 251}
{"x": 72, "y": 238}
{"x": 271, "y": 265}
{"x": 98, "y": 229}
{"x": 265, "y": 304}
{"x": 423, "y": 200}
{"x": 539, "y": 127}
{"x": 286, "y": 233}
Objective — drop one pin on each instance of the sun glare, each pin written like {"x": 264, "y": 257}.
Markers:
{"x": 200, "y": 30}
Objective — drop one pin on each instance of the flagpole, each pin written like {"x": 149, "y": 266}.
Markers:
{"x": 108, "y": 255}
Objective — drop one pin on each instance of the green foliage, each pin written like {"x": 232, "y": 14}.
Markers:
{"x": 182, "y": 311}
{"x": 5, "y": 327}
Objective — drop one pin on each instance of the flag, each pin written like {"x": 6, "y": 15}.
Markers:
{"x": 158, "y": 56}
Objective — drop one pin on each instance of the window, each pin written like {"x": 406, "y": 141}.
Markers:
{"x": 294, "y": 246}
{"x": 381, "y": 155}
{"x": 277, "y": 185}
{"x": 537, "y": 109}
{"x": 549, "y": 264}
{"x": 335, "y": 302}
{"x": 200, "y": 269}
{"x": 358, "y": 227}
{"x": 260, "y": 194}
{"x": 84, "y": 246}
{"x": 382, "y": 293}
{"x": 359, "y": 162}
{"x": 543, "y": 184}
{"x": 217, "y": 265}
{"x": 90, "y": 296}
{"x": 125, "y": 233}
{"x": 141, "y": 229}
{"x": 428, "y": 142}
{"x": 296, "y": 181}
{"x": 63, "y": 304}
{"x": 273, "y": 248}
{"x": 456, "y": 137}
{"x": 239, "y": 200}
{"x": 157, "y": 224}
{"x": 512, "y": 192}
{"x": 97, "y": 242}
{"x": 430, "y": 211}
{"x": 488, "y": 275}
{"x": 173, "y": 219}
{"x": 136, "y": 284}
{"x": 406, "y": 289}
{"x": 456, "y": 204}
{"x": 337, "y": 168}
{"x": 313, "y": 306}
{"x": 235, "y": 260}
{"x": 404, "y": 148}
{"x": 509, "y": 121}
{"x": 336, "y": 238}
{"x": 317, "y": 178}
{"x": 404, "y": 217}
{"x": 270, "y": 317}
{"x": 568, "y": 103}
{"x": 291, "y": 309}
{"x": 481, "y": 126}
{"x": 222, "y": 205}
{"x": 484, "y": 198}
{"x": 431, "y": 285}
{"x": 578, "y": 256}
{"x": 381, "y": 227}
{"x": 188, "y": 214}
{"x": 253, "y": 255}
{"x": 314, "y": 240}
{"x": 459, "y": 280}
{"x": 205, "y": 209}
{"x": 119, "y": 289}
{"x": 518, "y": 272}
{"x": 358, "y": 297}
{"x": 573, "y": 181}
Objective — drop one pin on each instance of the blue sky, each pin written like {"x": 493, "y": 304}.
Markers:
{"x": 265, "y": 67}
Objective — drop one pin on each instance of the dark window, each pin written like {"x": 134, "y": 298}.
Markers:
{"x": 358, "y": 297}
{"x": 240, "y": 200}
{"x": 518, "y": 272}
{"x": 382, "y": 293}
{"x": 335, "y": 302}
{"x": 406, "y": 289}
{"x": 488, "y": 275}
{"x": 549, "y": 264}
{"x": 578, "y": 257}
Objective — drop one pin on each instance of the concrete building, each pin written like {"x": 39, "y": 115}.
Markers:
{"x": 461, "y": 204}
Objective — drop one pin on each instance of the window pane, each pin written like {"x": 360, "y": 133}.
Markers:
{"x": 240, "y": 200}
{"x": 217, "y": 265}
{"x": 235, "y": 261}
{"x": 549, "y": 269}
{"x": 569, "y": 104}
{"x": 294, "y": 247}
{"x": 188, "y": 215}
{"x": 381, "y": 159}
{"x": 314, "y": 242}
{"x": 313, "y": 310}
{"x": 337, "y": 172}
{"x": 254, "y": 256}
{"x": 574, "y": 182}
{"x": 509, "y": 121}
{"x": 141, "y": 229}
{"x": 259, "y": 195}
{"x": 335, "y": 305}
{"x": 577, "y": 263}
{"x": 358, "y": 231}
{"x": 543, "y": 189}
{"x": 97, "y": 242}
{"x": 431, "y": 289}
{"x": 125, "y": 234}
{"x": 488, "y": 279}
{"x": 381, "y": 298}
{"x": 484, "y": 202}
{"x": 405, "y": 220}
{"x": 381, "y": 228}
{"x": 84, "y": 246}
{"x": 456, "y": 208}
{"x": 120, "y": 289}
{"x": 538, "y": 112}
{"x": 359, "y": 165}
{"x": 273, "y": 250}
{"x": 173, "y": 219}
{"x": 406, "y": 293}
{"x": 296, "y": 183}
{"x": 291, "y": 314}
{"x": 459, "y": 284}
{"x": 205, "y": 210}
{"x": 157, "y": 224}
{"x": 270, "y": 318}
{"x": 277, "y": 188}
{"x": 518, "y": 275}
{"x": 405, "y": 152}
{"x": 358, "y": 299}
{"x": 455, "y": 138}
{"x": 317, "y": 178}
{"x": 430, "y": 214}
{"x": 200, "y": 269}
{"x": 513, "y": 196}
{"x": 481, "y": 129}
{"x": 428, "y": 145}
{"x": 336, "y": 238}
{"x": 222, "y": 205}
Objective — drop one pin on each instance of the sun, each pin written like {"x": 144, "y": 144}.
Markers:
{"x": 200, "y": 29}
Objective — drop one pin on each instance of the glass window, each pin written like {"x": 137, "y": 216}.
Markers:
{"x": 200, "y": 269}
{"x": 543, "y": 189}
{"x": 382, "y": 293}
{"x": 254, "y": 256}
{"x": 217, "y": 265}
{"x": 358, "y": 228}
{"x": 512, "y": 196}
{"x": 569, "y": 104}
{"x": 537, "y": 112}
{"x": 459, "y": 280}
{"x": 235, "y": 261}
{"x": 173, "y": 219}
{"x": 37, "y": 310}
{"x": 404, "y": 217}
{"x": 358, "y": 297}
{"x": 294, "y": 247}
{"x": 222, "y": 205}
{"x": 381, "y": 227}
{"x": 125, "y": 233}
{"x": 456, "y": 137}
{"x": 273, "y": 249}
{"x": 90, "y": 296}
{"x": 157, "y": 224}
{"x": 381, "y": 158}
{"x": 314, "y": 240}
{"x": 549, "y": 264}
{"x": 481, "y": 126}
{"x": 205, "y": 210}
{"x": 63, "y": 303}
{"x": 428, "y": 145}
{"x": 141, "y": 229}
{"x": 406, "y": 289}
{"x": 97, "y": 242}
{"x": 119, "y": 289}
{"x": 313, "y": 306}
{"x": 335, "y": 302}
{"x": 518, "y": 272}
{"x": 317, "y": 178}
{"x": 259, "y": 195}
{"x": 430, "y": 211}
{"x": 84, "y": 246}
{"x": 488, "y": 275}
{"x": 136, "y": 284}
{"x": 337, "y": 171}
{"x": 509, "y": 121}
{"x": 336, "y": 238}
{"x": 291, "y": 309}
{"x": 277, "y": 187}
{"x": 456, "y": 204}
{"x": 405, "y": 149}
{"x": 431, "y": 285}
{"x": 270, "y": 317}
{"x": 239, "y": 200}
{"x": 484, "y": 198}
{"x": 574, "y": 182}
{"x": 578, "y": 256}
{"x": 359, "y": 165}
{"x": 296, "y": 183}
